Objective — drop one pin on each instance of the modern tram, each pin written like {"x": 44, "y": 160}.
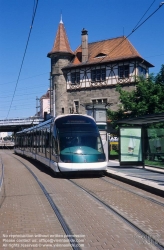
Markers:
{"x": 67, "y": 143}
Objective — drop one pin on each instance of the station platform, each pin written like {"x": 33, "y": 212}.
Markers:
{"x": 148, "y": 178}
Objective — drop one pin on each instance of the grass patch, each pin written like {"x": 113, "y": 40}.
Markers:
{"x": 155, "y": 163}
{"x": 113, "y": 152}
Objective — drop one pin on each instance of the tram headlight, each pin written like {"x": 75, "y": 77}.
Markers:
{"x": 79, "y": 151}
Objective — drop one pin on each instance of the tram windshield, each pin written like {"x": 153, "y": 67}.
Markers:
{"x": 79, "y": 137}
{"x": 80, "y": 143}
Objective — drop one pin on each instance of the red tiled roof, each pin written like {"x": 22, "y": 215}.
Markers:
{"x": 113, "y": 49}
{"x": 61, "y": 43}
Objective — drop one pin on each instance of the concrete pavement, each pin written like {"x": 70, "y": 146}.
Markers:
{"x": 148, "y": 178}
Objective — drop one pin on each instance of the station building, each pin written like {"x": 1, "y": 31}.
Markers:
{"x": 91, "y": 73}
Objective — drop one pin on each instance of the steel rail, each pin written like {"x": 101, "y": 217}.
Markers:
{"x": 133, "y": 192}
{"x": 2, "y": 175}
{"x": 73, "y": 243}
{"x": 140, "y": 231}
{"x": 2, "y": 185}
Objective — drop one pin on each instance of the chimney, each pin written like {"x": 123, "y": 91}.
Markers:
{"x": 84, "y": 36}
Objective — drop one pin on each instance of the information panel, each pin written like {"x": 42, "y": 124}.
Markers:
{"x": 100, "y": 115}
{"x": 130, "y": 145}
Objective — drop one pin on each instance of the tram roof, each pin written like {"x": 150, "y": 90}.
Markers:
{"x": 50, "y": 120}
{"x": 143, "y": 120}
{"x": 34, "y": 127}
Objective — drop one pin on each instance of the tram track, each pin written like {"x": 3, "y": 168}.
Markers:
{"x": 142, "y": 233}
{"x": 2, "y": 187}
{"x": 2, "y": 174}
{"x": 133, "y": 192}
{"x": 137, "y": 236}
{"x": 73, "y": 243}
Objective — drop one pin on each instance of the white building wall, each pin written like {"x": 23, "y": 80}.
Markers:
{"x": 3, "y": 134}
{"x": 44, "y": 106}
{"x": 112, "y": 77}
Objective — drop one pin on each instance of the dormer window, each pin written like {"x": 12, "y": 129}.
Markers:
{"x": 100, "y": 55}
{"x": 75, "y": 78}
{"x": 98, "y": 75}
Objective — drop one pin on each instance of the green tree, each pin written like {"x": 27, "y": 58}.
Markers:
{"x": 147, "y": 98}
{"x": 160, "y": 76}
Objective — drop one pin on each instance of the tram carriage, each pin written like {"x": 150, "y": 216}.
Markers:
{"x": 67, "y": 143}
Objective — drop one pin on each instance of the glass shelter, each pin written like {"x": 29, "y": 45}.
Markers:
{"x": 142, "y": 140}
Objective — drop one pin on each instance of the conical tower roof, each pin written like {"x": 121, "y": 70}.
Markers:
{"x": 61, "y": 43}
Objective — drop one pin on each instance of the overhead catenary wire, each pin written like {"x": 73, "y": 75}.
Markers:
{"x": 144, "y": 14}
{"x": 41, "y": 86}
{"x": 27, "y": 94}
{"x": 31, "y": 26}
{"x": 135, "y": 28}
{"x": 24, "y": 78}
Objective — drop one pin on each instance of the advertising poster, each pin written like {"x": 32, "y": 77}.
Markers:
{"x": 130, "y": 145}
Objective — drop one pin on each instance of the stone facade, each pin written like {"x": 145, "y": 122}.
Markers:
{"x": 60, "y": 98}
{"x": 86, "y": 96}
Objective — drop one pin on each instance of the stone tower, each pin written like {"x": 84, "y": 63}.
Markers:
{"x": 61, "y": 55}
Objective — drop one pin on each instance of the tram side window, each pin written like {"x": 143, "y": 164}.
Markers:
{"x": 54, "y": 146}
{"x": 37, "y": 139}
{"x": 47, "y": 138}
{"x": 30, "y": 145}
{"x": 32, "y": 137}
{"x": 28, "y": 141}
{"x": 20, "y": 141}
{"x": 23, "y": 141}
{"x": 16, "y": 142}
{"x": 41, "y": 141}
{"x": 44, "y": 140}
{"x": 34, "y": 140}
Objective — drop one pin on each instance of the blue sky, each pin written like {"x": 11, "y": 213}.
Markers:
{"x": 103, "y": 19}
